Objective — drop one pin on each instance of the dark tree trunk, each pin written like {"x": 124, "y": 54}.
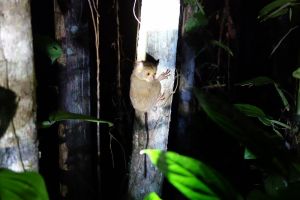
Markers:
{"x": 75, "y": 155}
{"x": 187, "y": 72}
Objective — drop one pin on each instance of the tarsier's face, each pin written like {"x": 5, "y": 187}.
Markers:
{"x": 149, "y": 73}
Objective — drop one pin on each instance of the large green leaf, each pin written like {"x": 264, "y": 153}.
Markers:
{"x": 254, "y": 111}
{"x": 152, "y": 196}
{"x": 276, "y": 9}
{"x": 194, "y": 179}
{"x": 61, "y": 115}
{"x": 22, "y": 186}
{"x": 261, "y": 143}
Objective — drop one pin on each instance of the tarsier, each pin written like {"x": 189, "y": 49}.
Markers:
{"x": 145, "y": 90}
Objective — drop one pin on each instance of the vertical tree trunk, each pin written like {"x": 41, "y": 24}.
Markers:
{"x": 158, "y": 37}
{"x": 18, "y": 146}
{"x": 75, "y": 162}
{"x": 187, "y": 71}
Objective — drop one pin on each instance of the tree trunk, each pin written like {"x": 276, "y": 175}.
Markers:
{"x": 18, "y": 146}
{"x": 186, "y": 84}
{"x": 75, "y": 153}
{"x": 158, "y": 36}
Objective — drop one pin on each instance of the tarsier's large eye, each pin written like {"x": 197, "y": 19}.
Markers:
{"x": 148, "y": 74}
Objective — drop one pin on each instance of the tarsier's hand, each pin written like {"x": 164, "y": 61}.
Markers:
{"x": 164, "y": 75}
{"x": 161, "y": 97}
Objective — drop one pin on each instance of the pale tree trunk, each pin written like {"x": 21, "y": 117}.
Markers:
{"x": 18, "y": 145}
{"x": 158, "y": 36}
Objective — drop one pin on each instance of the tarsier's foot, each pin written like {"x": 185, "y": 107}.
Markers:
{"x": 164, "y": 75}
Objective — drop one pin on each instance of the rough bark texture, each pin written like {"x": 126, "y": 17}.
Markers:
{"x": 158, "y": 36}
{"x": 18, "y": 146}
{"x": 186, "y": 83}
{"x": 75, "y": 154}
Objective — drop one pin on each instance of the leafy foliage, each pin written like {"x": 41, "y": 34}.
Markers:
{"x": 152, "y": 196}
{"x": 222, "y": 46}
{"x": 248, "y": 155}
{"x": 262, "y": 144}
{"x": 296, "y": 73}
{"x": 275, "y": 9}
{"x": 22, "y": 186}
{"x": 197, "y": 21}
{"x": 191, "y": 177}
{"x": 48, "y": 46}
{"x": 254, "y": 111}
{"x": 61, "y": 115}
{"x": 195, "y": 3}
{"x": 263, "y": 80}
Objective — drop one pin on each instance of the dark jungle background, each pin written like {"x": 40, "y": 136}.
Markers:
{"x": 239, "y": 29}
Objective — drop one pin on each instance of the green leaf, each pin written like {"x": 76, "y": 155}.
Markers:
{"x": 262, "y": 80}
{"x": 191, "y": 177}
{"x": 222, "y": 46}
{"x": 22, "y": 186}
{"x": 251, "y": 110}
{"x": 152, "y": 196}
{"x": 61, "y": 116}
{"x": 275, "y": 9}
{"x": 278, "y": 123}
{"x": 274, "y": 184}
{"x": 190, "y": 2}
{"x": 48, "y": 46}
{"x": 283, "y": 98}
{"x": 195, "y": 3}
{"x": 296, "y": 73}
{"x": 197, "y": 21}
{"x": 282, "y": 39}
{"x": 248, "y": 155}
{"x": 264, "y": 145}
{"x": 258, "y": 81}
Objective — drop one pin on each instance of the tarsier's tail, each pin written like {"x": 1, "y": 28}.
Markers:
{"x": 147, "y": 141}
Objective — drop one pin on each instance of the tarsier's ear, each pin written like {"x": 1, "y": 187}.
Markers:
{"x": 151, "y": 59}
{"x": 138, "y": 66}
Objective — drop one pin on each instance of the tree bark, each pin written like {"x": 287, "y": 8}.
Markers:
{"x": 18, "y": 146}
{"x": 186, "y": 84}
{"x": 75, "y": 152}
{"x": 158, "y": 36}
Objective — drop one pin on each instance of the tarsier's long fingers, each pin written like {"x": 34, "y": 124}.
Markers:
{"x": 164, "y": 75}
{"x": 161, "y": 97}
